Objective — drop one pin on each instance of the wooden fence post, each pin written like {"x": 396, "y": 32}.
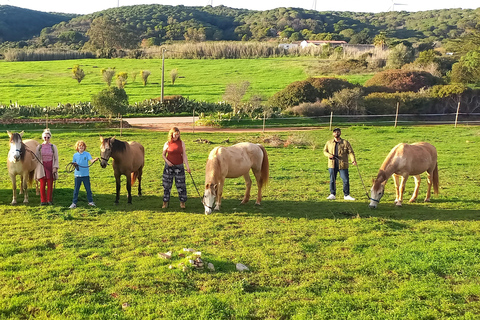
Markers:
{"x": 396, "y": 114}
{"x": 264, "y": 115}
{"x": 331, "y": 119}
{"x": 456, "y": 117}
{"x": 193, "y": 120}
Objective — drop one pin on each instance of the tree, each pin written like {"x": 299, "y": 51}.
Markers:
{"x": 78, "y": 73}
{"x": 107, "y": 75}
{"x": 122, "y": 79}
{"x": 399, "y": 56}
{"x": 467, "y": 70}
{"x": 144, "y": 74}
{"x": 234, "y": 93}
{"x": 174, "y": 75}
{"x": 105, "y": 33}
{"x": 110, "y": 101}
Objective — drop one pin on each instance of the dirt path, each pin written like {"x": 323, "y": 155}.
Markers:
{"x": 185, "y": 124}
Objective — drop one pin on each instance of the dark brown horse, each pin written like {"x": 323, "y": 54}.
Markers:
{"x": 128, "y": 160}
{"x": 21, "y": 161}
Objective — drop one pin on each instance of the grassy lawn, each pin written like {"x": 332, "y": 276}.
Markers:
{"x": 47, "y": 83}
{"x": 309, "y": 258}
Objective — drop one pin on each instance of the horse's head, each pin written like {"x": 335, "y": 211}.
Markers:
{"x": 209, "y": 197}
{"x": 376, "y": 193}
{"x": 105, "y": 150}
{"x": 16, "y": 143}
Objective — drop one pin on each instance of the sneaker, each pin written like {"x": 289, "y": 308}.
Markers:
{"x": 349, "y": 197}
{"x": 73, "y": 206}
{"x": 165, "y": 205}
{"x": 43, "y": 204}
{"x": 331, "y": 197}
{"x": 92, "y": 204}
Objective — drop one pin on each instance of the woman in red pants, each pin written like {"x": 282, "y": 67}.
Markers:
{"x": 47, "y": 168}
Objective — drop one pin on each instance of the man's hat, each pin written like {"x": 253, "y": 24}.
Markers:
{"x": 337, "y": 129}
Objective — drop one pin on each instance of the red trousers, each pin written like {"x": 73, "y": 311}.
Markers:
{"x": 48, "y": 196}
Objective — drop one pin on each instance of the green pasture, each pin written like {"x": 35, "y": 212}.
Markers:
{"x": 309, "y": 258}
{"x": 47, "y": 83}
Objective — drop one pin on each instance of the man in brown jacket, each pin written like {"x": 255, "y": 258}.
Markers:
{"x": 338, "y": 150}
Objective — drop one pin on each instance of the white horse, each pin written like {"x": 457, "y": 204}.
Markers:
{"x": 402, "y": 161}
{"x": 21, "y": 161}
{"x": 233, "y": 162}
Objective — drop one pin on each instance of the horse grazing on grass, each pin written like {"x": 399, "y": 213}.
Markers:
{"x": 402, "y": 161}
{"x": 128, "y": 160}
{"x": 21, "y": 161}
{"x": 233, "y": 162}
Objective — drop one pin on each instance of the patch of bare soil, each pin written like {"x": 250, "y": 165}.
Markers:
{"x": 184, "y": 127}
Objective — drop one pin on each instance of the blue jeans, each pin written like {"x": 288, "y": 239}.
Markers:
{"x": 333, "y": 180}
{"x": 86, "y": 183}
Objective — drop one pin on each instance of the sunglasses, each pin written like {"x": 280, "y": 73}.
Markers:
{"x": 47, "y": 138}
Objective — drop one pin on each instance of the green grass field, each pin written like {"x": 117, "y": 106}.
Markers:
{"x": 47, "y": 83}
{"x": 309, "y": 258}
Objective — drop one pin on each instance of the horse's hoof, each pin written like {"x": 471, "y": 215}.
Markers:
{"x": 14, "y": 202}
{"x": 426, "y": 200}
{"x": 25, "y": 201}
{"x": 398, "y": 204}
{"x": 115, "y": 203}
{"x": 257, "y": 203}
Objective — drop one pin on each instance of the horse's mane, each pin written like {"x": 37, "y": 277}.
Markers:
{"x": 117, "y": 145}
{"x": 389, "y": 157}
{"x": 212, "y": 163}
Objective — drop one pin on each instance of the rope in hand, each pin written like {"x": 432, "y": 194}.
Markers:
{"x": 72, "y": 166}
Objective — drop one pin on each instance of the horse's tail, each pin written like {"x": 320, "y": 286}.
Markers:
{"x": 31, "y": 175}
{"x": 134, "y": 177}
{"x": 435, "y": 179}
{"x": 265, "y": 167}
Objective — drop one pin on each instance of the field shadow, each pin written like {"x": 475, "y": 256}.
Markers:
{"x": 322, "y": 209}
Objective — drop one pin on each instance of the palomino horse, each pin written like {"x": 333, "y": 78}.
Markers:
{"x": 233, "y": 162}
{"x": 402, "y": 161}
{"x": 21, "y": 161}
{"x": 128, "y": 159}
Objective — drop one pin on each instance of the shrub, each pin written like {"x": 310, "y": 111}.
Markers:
{"x": 78, "y": 73}
{"x": 144, "y": 74}
{"x": 442, "y": 91}
{"x": 122, "y": 79}
{"x": 107, "y": 75}
{"x": 326, "y": 87}
{"x": 310, "y": 109}
{"x": 110, "y": 101}
{"x": 174, "y": 75}
{"x": 294, "y": 94}
{"x": 348, "y": 101}
{"x": 386, "y": 103}
{"x": 400, "y": 81}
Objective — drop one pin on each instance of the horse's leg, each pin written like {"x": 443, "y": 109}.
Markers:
{"x": 117, "y": 183}
{"x": 129, "y": 188}
{"x": 14, "y": 188}
{"x": 37, "y": 188}
{"x": 25, "y": 186}
{"x": 139, "y": 178}
{"x": 258, "y": 175}
{"x": 248, "y": 184}
{"x": 401, "y": 190}
{"x": 429, "y": 187}
{"x": 396, "y": 181}
{"x": 219, "y": 195}
{"x": 417, "y": 187}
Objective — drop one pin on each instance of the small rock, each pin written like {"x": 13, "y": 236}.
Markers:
{"x": 210, "y": 266}
{"x": 188, "y": 250}
{"x": 125, "y": 305}
{"x": 170, "y": 267}
{"x": 198, "y": 253}
{"x": 241, "y": 267}
{"x": 166, "y": 255}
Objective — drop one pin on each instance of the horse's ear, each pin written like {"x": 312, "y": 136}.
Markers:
{"x": 21, "y": 133}
{"x": 101, "y": 139}
{"x": 9, "y": 133}
{"x": 215, "y": 187}
{"x": 112, "y": 139}
{"x": 207, "y": 186}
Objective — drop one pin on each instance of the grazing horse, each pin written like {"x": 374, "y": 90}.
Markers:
{"x": 21, "y": 161}
{"x": 128, "y": 159}
{"x": 233, "y": 162}
{"x": 402, "y": 161}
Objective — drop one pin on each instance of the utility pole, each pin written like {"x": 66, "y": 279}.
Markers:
{"x": 163, "y": 72}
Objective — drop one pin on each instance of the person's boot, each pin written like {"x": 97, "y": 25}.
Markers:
{"x": 165, "y": 205}
{"x": 182, "y": 205}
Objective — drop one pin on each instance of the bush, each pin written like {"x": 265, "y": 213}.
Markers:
{"x": 78, "y": 73}
{"x": 294, "y": 94}
{"x": 400, "y": 81}
{"x": 309, "y": 90}
{"x": 310, "y": 109}
{"x": 110, "y": 101}
{"x": 386, "y": 103}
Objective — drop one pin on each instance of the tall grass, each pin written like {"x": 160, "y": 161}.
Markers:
{"x": 43, "y": 54}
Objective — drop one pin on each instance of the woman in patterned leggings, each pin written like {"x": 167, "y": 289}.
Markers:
{"x": 175, "y": 158}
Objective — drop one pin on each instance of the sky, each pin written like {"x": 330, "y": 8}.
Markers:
{"x": 90, "y": 6}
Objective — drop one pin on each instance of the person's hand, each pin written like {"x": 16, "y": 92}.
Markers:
{"x": 331, "y": 157}
{"x": 96, "y": 159}
{"x": 188, "y": 170}
{"x": 169, "y": 163}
